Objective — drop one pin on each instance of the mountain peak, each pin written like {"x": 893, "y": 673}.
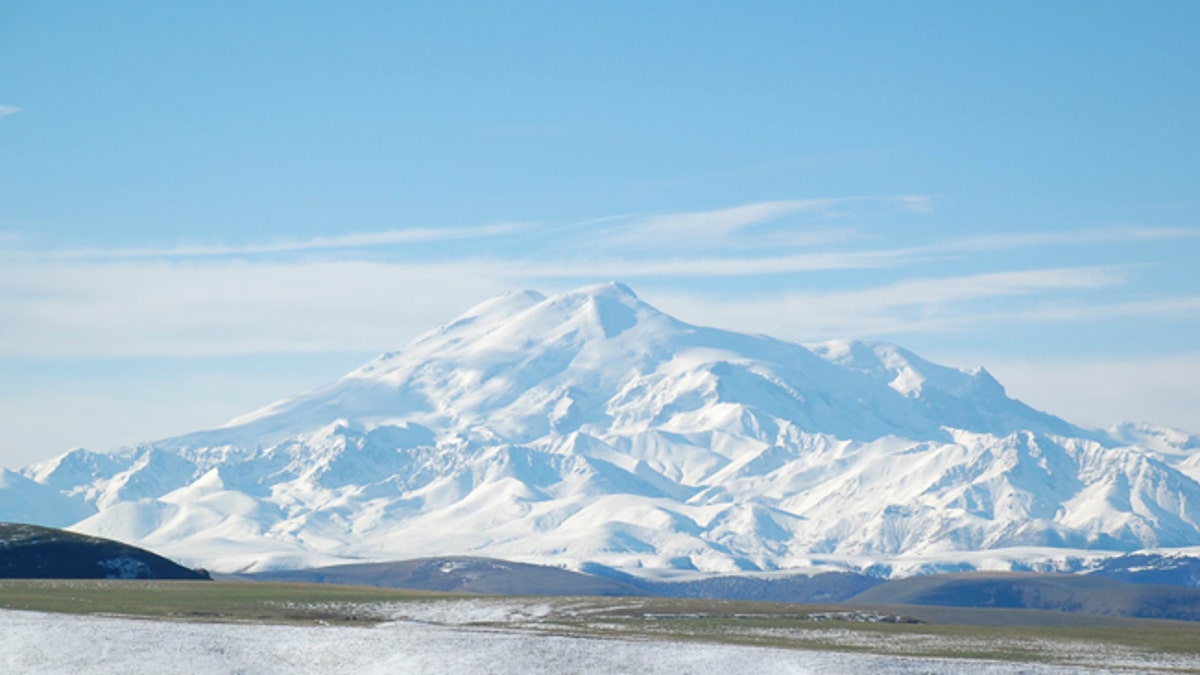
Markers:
{"x": 498, "y": 307}
{"x": 510, "y": 362}
{"x": 608, "y": 289}
{"x": 529, "y": 311}
{"x": 588, "y": 426}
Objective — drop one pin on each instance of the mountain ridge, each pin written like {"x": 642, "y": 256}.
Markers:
{"x": 590, "y": 427}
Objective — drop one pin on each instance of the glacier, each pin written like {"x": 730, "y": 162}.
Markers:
{"x": 589, "y": 428}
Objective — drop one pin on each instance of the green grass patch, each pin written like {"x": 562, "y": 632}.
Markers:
{"x": 204, "y": 600}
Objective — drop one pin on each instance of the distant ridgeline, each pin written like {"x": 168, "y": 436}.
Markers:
{"x": 590, "y": 430}
{"x": 33, "y": 552}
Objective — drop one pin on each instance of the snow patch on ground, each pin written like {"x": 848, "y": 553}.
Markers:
{"x": 33, "y": 643}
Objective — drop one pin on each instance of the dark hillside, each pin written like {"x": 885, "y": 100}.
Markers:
{"x": 823, "y": 587}
{"x": 491, "y": 576}
{"x": 1148, "y": 568}
{"x": 458, "y": 574}
{"x": 1090, "y": 594}
{"x": 34, "y": 552}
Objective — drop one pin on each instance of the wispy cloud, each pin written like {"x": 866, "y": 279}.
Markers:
{"x": 725, "y": 221}
{"x": 667, "y": 244}
{"x": 622, "y": 268}
{"x": 244, "y": 298}
{"x": 363, "y": 240}
{"x": 802, "y": 224}
{"x": 929, "y": 305}
{"x": 217, "y": 306}
{"x": 759, "y": 224}
{"x": 916, "y": 203}
{"x": 1184, "y": 306}
{"x": 942, "y": 291}
{"x": 880, "y": 258}
{"x": 6, "y": 110}
{"x": 1020, "y": 240}
{"x": 1160, "y": 389}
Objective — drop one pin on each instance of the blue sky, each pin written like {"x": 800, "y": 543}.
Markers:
{"x": 209, "y": 206}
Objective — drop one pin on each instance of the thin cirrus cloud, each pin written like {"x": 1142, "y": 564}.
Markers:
{"x": 930, "y": 305}
{"x": 215, "y": 307}
{"x": 1100, "y": 235}
{"x": 718, "y": 230}
{"x": 624, "y": 256}
{"x": 615, "y": 229}
{"x": 624, "y": 268}
{"x": 770, "y": 222}
{"x": 727, "y": 221}
{"x": 943, "y": 291}
{"x": 1184, "y": 306}
{"x": 238, "y": 299}
{"x": 362, "y": 240}
{"x": 6, "y": 110}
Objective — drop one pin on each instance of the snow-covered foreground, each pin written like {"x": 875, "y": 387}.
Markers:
{"x": 32, "y": 642}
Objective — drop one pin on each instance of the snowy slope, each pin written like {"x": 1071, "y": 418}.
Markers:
{"x": 590, "y": 427}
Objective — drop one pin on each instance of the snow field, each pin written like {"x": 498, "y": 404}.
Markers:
{"x": 33, "y": 642}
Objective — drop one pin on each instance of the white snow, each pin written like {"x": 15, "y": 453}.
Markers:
{"x": 590, "y": 427}
{"x": 43, "y": 643}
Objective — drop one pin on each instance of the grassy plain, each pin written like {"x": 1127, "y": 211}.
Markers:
{"x": 202, "y": 600}
{"x": 1006, "y": 635}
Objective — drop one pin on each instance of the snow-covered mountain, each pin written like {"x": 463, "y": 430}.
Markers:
{"x": 591, "y": 428}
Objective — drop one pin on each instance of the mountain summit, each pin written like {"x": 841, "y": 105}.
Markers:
{"x": 591, "y": 428}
